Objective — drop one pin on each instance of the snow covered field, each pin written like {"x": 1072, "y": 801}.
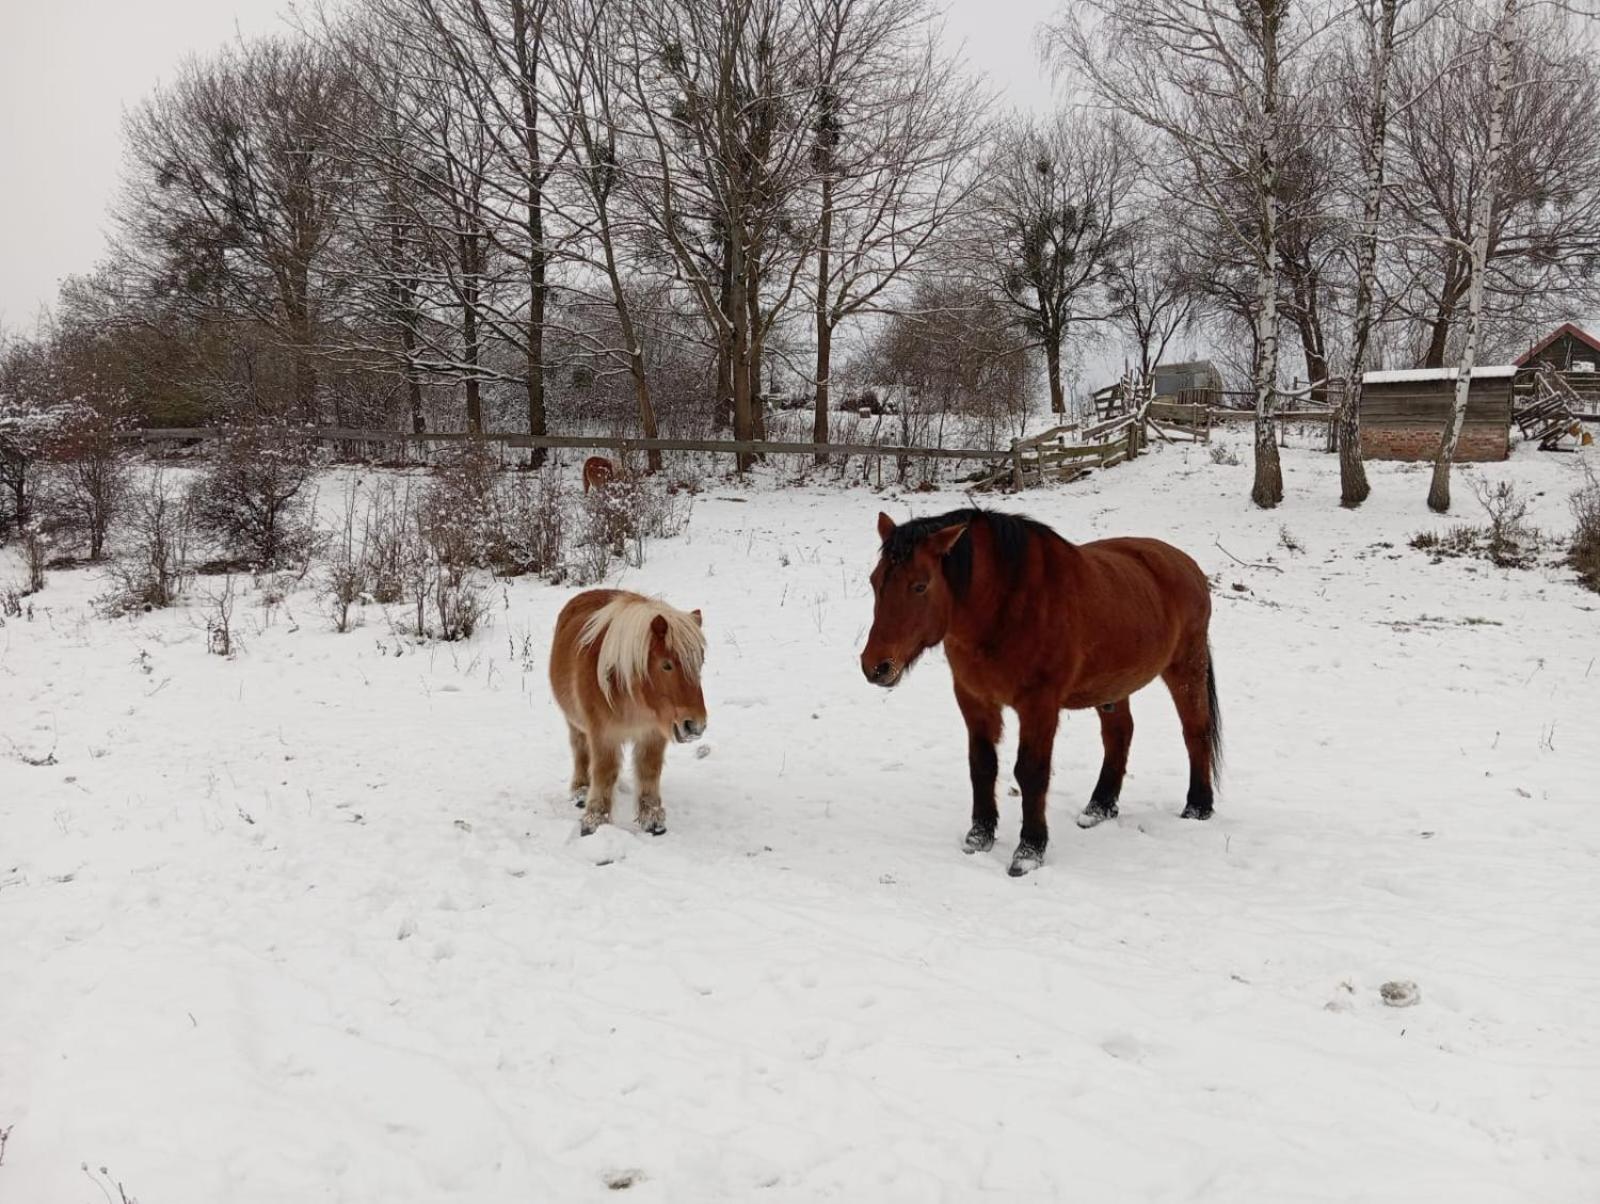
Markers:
{"x": 316, "y": 924}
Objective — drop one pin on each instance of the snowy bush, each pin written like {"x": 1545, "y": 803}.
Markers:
{"x": 1509, "y": 541}
{"x": 345, "y": 576}
{"x": 153, "y": 571}
{"x": 253, "y": 497}
{"x": 86, "y": 482}
{"x": 1584, "y": 555}
{"x": 529, "y": 526}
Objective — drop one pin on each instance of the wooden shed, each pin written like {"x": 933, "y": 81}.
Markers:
{"x": 1403, "y": 413}
{"x": 1180, "y": 381}
{"x": 1572, "y": 352}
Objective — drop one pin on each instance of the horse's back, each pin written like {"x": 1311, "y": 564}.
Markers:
{"x": 570, "y": 661}
{"x": 1138, "y": 563}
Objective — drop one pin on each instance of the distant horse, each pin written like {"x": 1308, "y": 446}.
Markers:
{"x": 1038, "y": 624}
{"x": 624, "y": 668}
{"x": 598, "y": 471}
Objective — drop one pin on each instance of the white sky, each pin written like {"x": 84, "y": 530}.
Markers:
{"x": 68, "y": 69}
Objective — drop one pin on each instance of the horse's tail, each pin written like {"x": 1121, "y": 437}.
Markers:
{"x": 1214, "y": 708}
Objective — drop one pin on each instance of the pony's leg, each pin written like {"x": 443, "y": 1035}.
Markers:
{"x": 580, "y": 765}
{"x": 605, "y": 758}
{"x": 1036, "y": 741}
{"x": 983, "y": 733}
{"x": 1116, "y": 734}
{"x": 1191, "y": 689}
{"x": 648, "y": 754}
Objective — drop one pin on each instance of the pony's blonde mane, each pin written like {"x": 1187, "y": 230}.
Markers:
{"x": 622, "y": 626}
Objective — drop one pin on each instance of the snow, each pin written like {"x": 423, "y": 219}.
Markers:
{"x": 316, "y": 923}
{"x": 1404, "y": 375}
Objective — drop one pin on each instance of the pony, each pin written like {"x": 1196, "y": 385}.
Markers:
{"x": 598, "y": 471}
{"x": 1035, "y": 623}
{"x": 625, "y": 668}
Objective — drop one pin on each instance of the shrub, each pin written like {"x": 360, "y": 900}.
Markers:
{"x": 529, "y": 526}
{"x": 86, "y": 483}
{"x": 458, "y": 505}
{"x": 389, "y": 531}
{"x": 1511, "y": 543}
{"x": 1584, "y": 555}
{"x": 345, "y": 577}
{"x": 252, "y": 498}
{"x": 154, "y": 570}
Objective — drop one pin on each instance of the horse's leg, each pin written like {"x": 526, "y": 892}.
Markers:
{"x": 983, "y": 733}
{"x": 1116, "y": 734}
{"x": 1037, "y": 722}
{"x": 648, "y": 754}
{"x": 1190, "y": 684}
{"x": 580, "y": 765}
{"x": 605, "y": 758}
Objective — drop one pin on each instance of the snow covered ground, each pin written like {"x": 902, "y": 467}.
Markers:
{"x": 315, "y": 923}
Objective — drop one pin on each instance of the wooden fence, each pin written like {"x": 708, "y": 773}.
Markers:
{"x": 624, "y": 444}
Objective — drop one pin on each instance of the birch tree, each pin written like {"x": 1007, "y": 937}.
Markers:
{"x": 1376, "y": 25}
{"x": 1210, "y": 77}
{"x": 1502, "y": 39}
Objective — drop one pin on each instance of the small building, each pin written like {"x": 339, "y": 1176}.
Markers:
{"x": 1574, "y": 354}
{"x": 1403, "y": 413}
{"x": 1180, "y": 382}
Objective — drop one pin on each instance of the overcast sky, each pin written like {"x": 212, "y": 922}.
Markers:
{"x": 68, "y": 68}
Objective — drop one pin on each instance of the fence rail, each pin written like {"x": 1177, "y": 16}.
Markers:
{"x": 753, "y": 447}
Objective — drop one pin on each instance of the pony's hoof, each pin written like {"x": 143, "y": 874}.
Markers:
{"x": 979, "y": 840}
{"x": 580, "y": 796}
{"x": 1026, "y": 859}
{"x": 656, "y": 825}
{"x": 1195, "y": 811}
{"x": 590, "y": 824}
{"x": 1096, "y": 813}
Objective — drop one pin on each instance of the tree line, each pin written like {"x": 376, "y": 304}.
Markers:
{"x": 537, "y": 215}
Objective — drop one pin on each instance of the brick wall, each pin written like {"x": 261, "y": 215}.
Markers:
{"x": 1422, "y": 443}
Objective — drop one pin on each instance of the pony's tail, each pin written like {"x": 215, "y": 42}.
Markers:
{"x": 1214, "y": 708}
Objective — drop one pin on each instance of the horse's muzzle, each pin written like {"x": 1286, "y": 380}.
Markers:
{"x": 687, "y": 731}
{"x": 884, "y": 673}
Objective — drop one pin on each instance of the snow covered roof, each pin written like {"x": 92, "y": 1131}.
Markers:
{"x": 1399, "y": 375}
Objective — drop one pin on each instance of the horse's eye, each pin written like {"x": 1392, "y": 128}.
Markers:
{"x": 666, "y": 666}
{"x": 920, "y": 587}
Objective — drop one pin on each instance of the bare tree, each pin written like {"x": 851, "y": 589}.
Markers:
{"x": 1151, "y": 289}
{"x": 1502, "y": 39}
{"x": 233, "y": 190}
{"x": 1211, "y": 78}
{"x": 723, "y": 145}
{"x": 1544, "y": 224}
{"x": 1052, "y": 220}
{"x": 895, "y": 122}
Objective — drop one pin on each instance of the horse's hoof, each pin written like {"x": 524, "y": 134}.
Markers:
{"x": 590, "y": 824}
{"x": 1026, "y": 859}
{"x": 1193, "y": 811}
{"x": 580, "y": 796}
{"x": 979, "y": 839}
{"x": 1096, "y": 813}
{"x": 656, "y": 825}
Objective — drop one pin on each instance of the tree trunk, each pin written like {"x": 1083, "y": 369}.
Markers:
{"x": 819, "y": 424}
{"x": 1267, "y": 490}
{"x": 469, "y": 331}
{"x": 1499, "y": 81}
{"x": 1052, "y": 361}
{"x": 739, "y": 350}
{"x": 528, "y": 68}
{"x": 1353, "y": 485}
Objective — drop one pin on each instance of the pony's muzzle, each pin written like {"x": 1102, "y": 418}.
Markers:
{"x": 687, "y": 731}
{"x": 884, "y": 673}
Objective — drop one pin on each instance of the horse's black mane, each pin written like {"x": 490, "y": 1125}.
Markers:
{"x": 1012, "y": 533}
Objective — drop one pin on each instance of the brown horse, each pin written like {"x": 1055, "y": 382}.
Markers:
{"x": 598, "y": 471}
{"x": 624, "y": 668}
{"x": 1038, "y": 624}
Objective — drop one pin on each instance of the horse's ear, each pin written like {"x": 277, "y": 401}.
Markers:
{"x": 695, "y": 615}
{"x": 885, "y": 526}
{"x": 941, "y": 541}
{"x": 659, "y": 626}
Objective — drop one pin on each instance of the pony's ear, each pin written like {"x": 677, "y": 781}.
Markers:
{"x": 698, "y": 621}
{"x": 941, "y": 541}
{"x": 885, "y": 526}
{"x": 659, "y": 626}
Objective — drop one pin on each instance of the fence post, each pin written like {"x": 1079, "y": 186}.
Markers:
{"x": 1016, "y": 465}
